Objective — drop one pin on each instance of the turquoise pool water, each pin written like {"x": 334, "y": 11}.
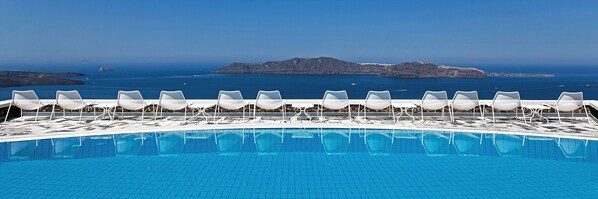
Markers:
{"x": 299, "y": 163}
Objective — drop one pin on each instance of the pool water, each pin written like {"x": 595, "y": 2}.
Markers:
{"x": 299, "y": 163}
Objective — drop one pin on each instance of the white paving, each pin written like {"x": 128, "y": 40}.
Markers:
{"x": 25, "y": 128}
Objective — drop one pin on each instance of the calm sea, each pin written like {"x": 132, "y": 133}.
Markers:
{"x": 198, "y": 81}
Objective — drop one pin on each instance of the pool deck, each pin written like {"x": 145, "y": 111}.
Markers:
{"x": 24, "y": 128}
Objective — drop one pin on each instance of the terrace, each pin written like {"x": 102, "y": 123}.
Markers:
{"x": 24, "y": 127}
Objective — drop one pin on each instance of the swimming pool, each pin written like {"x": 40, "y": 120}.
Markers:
{"x": 299, "y": 163}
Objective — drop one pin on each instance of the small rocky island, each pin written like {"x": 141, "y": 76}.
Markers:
{"x": 332, "y": 66}
{"x": 25, "y": 78}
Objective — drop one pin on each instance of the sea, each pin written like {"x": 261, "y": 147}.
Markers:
{"x": 199, "y": 81}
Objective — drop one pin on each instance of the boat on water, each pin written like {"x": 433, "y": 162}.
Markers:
{"x": 105, "y": 68}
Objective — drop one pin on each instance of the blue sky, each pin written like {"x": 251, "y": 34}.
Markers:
{"x": 468, "y": 31}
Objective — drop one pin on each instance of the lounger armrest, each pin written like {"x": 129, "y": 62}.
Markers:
{"x": 486, "y": 104}
{"x": 89, "y": 103}
{"x": 46, "y": 104}
{"x": 150, "y": 104}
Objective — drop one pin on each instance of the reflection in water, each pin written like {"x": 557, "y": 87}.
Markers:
{"x": 407, "y": 134}
{"x": 170, "y": 143}
{"x": 436, "y": 143}
{"x": 573, "y": 148}
{"x": 22, "y": 150}
{"x": 66, "y": 147}
{"x": 230, "y": 142}
{"x": 335, "y": 141}
{"x": 467, "y": 144}
{"x": 508, "y": 145}
{"x": 199, "y": 134}
{"x": 379, "y": 142}
{"x": 128, "y": 144}
{"x": 268, "y": 141}
{"x": 302, "y": 133}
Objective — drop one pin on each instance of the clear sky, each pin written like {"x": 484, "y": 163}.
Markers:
{"x": 465, "y": 31}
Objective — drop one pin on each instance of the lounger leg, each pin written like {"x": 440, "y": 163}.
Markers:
{"x": 493, "y": 118}
{"x": 7, "y": 112}
{"x": 52, "y": 113}
{"x": 215, "y": 111}
{"x": 185, "y": 118}
{"x": 155, "y": 114}
{"x": 284, "y": 113}
{"x": 451, "y": 114}
{"x": 587, "y": 115}
{"x": 80, "y": 114}
{"x": 243, "y": 113}
{"x": 36, "y": 114}
{"x": 349, "y": 112}
{"x": 422, "y": 113}
{"x": 142, "y": 114}
{"x": 523, "y": 113}
{"x": 443, "y": 117}
{"x": 481, "y": 112}
{"x": 558, "y": 115}
{"x": 319, "y": 113}
{"x": 394, "y": 118}
{"x": 113, "y": 114}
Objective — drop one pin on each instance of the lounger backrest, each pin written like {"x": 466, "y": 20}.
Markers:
{"x": 231, "y": 100}
{"x": 378, "y": 100}
{"x": 570, "y": 101}
{"x": 434, "y": 100}
{"x": 130, "y": 100}
{"x": 172, "y": 100}
{"x": 69, "y": 100}
{"x": 268, "y": 100}
{"x": 26, "y": 100}
{"x": 465, "y": 100}
{"x": 335, "y": 100}
{"x": 506, "y": 101}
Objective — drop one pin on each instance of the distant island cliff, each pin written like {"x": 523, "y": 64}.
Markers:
{"x": 332, "y": 66}
{"x": 26, "y": 78}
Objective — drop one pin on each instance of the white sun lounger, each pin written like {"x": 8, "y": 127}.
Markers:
{"x": 435, "y": 100}
{"x": 229, "y": 100}
{"x": 172, "y": 101}
{"x": 270, "y": 100}
{"x": 507, "y": 101}
{"x": 25, "y": 100}
{"x": 334, "y": 100}
{"x": 569, "y": 102}
{"x": 378, "y": 100}
{"x": 131, "y": 100}
{"x": 465, "y": 101}
{"x": 69, "y": 100}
